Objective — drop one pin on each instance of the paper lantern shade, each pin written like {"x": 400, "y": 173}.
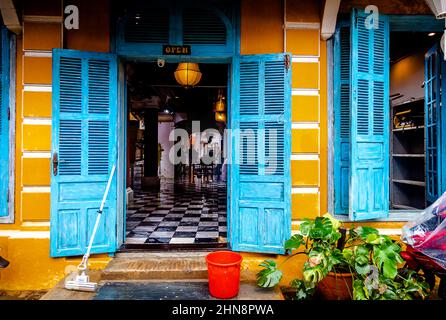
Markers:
{"x": 220, "y": 106}
{"x": 220, "y": 117}
{"x": 188, "y": 74}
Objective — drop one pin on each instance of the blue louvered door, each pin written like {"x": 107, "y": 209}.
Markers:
{"x": 4, "y": 120}
{"x": 260, "y": 146}
{"x": 369, "y": 130}
{"x": 433, "y": 101}
{"x": 342, "y": 118}
{"x": 83, "y": 151}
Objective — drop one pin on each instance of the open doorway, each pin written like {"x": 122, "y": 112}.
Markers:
{"x": 410, "y": 166}
{"x": 180, "y": 203}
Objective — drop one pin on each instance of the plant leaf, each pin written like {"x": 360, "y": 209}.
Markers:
{"x": 322, "y": 228}
{"x": 363, "y": 232}
{"x": 358, "y": 291}
{"x": 305, "y": 227}
{"x": 270, "y": 276}
{"x": 386, "y": 257}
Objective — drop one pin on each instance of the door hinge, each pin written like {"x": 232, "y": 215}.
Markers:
{"x": 287, "y": 61}
{"x": 9, "y": 113}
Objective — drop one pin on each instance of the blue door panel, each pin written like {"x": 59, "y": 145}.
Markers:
{"x": 342, "y": 118}
{"x": 369, "y": 120}
{"x": 432, "y": 105}
{"x": 84, "y": 143}
{"x": 4, "y": 120}
{"x": 260, "y": 178}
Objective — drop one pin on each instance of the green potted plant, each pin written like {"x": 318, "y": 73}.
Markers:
{"x": 357, "y": 264}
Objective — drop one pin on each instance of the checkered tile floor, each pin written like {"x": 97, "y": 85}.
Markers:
{"x": 180, "y": 213}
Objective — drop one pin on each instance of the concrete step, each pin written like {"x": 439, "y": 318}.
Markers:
{"x": 157, "y": 265}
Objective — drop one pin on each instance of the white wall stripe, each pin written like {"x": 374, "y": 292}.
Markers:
{"x": 305, "y": 59}
{"x": 36, "y": 190}
{"x": 303, "y": 125}
{"x": 37, "y": 121}
{"x": 302, "y": 25}
{"x": 38, "y": 88}
{"x": 35, "y": 224}
{"x": 48, "y": 19}
{"x": 36, "y": 155}
{"x": 15, "y": 234}
{"x": 305, "y": 92}
{"x": 298, "y": 157}
{"x": 387, "y": 232}
{"x": 390, "y": 232}
{"x": 39, "y": 54}
{"x": 298, "y": 190}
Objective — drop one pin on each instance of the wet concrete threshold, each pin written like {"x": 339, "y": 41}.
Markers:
{"x": 177, "y": 290}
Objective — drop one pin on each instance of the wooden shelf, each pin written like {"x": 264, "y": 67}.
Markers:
{"x": 411, "y": 182}
{"x": 404, "y": 207}
{"x": 408, "y": 102}
{"x": 409, "y": 155}
{"x": 408, "y": 129}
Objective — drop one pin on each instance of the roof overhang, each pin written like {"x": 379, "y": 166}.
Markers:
{"x": 329, "y": 16}
{"x": 10, "y": 17}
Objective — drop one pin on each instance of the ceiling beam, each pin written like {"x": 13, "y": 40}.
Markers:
{"x": 10, "y": 17}
{"x": 329, "y": 16}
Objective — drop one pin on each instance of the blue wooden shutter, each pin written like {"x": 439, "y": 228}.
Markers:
{"x": 147, "y": 25}
{"x": 369, "y": 93}
{"x": 341, "y": 87}
{"x": 203, "y": 27}
{"x": 4, "y": 120}
{"x": 433, "y": 97}
{"x": 84, "y": 141}
{"x": 260, "y": 177}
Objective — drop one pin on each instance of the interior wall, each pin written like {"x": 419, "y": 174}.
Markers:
{"x": 167, "y": 169}
{"x": 407, "y": 76}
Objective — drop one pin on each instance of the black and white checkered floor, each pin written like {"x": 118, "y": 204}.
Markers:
{"x": 181, "y": 213}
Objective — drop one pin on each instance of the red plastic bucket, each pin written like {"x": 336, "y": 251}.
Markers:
{"x": 224, "y": 273}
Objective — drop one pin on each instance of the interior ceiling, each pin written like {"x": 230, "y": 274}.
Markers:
{"x": 388, "y": 6}
{"x": 403, "y": 44}
{"x": 145, "y": 80}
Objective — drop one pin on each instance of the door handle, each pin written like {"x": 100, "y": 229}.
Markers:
{"x": 55, "y": 163}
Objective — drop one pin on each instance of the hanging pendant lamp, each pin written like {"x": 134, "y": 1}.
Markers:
{"x": 188, "y": 74}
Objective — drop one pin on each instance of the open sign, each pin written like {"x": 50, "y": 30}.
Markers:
{"x": 176, "y": 50}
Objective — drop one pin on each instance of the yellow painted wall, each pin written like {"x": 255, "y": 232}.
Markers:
{"x": 26, "y": 242}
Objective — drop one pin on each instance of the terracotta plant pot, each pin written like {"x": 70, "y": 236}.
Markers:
{"x": 336, "y": 286}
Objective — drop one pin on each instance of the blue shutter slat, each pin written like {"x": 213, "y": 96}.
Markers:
{"x": 275, "y": 150}
{"x": 201, "y": 26}
{"x": 342, "y": 118}
{"x": 84, "y": 138}
{"x": 274, "y": 87}
{"x": 98, "y": 84}
{"x": 260, "y": 176}
{"x": 147, "y": 25}
{"x": 70, "y": 85}
{"x": 4, "y": 121}
{"x": 369, "y": 120}
{"x": 249, "y": 88}
{"x": 70, "y": 147}
{"x": 249, "y": 161}
{"x": 98, "y": 147}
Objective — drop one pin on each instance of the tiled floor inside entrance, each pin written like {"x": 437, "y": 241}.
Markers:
{"x": 180, "y": 213}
